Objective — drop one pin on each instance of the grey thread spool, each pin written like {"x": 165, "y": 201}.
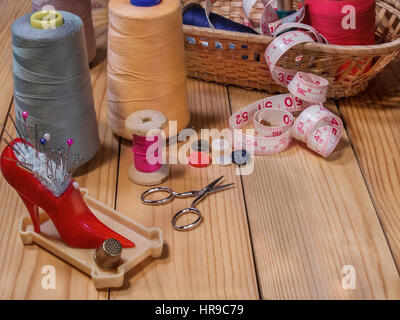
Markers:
{"x": 52, "y": 82}
{"x": 81, "y": 8}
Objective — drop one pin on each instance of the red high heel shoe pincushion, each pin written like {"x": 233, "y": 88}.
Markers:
{"x": 43, "y": 182}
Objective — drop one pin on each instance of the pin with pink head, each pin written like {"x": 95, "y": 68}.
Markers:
{"x": 25, "y": 115}
{"x": 70, "y": 142}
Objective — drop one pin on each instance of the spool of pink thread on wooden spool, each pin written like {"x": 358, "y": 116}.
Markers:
{"x": 146, "y": 127}
{"x": 83, "y": 9}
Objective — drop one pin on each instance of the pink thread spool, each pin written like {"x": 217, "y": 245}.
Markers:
{"x": 146, "y": 126}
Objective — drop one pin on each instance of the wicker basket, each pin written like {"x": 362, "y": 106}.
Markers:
{"x": 238, "y": 59}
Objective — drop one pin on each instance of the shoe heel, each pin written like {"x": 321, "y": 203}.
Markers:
{"x": 33, "y": 212}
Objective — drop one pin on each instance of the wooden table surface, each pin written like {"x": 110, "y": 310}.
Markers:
{"x": 284, "y": 232}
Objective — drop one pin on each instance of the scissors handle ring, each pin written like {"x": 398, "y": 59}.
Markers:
{"x": 187, "y": 226}
{"x": 160, "y": 201}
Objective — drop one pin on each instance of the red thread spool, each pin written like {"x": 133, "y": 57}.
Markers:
{"x": 327, "y": 17}
{"x": 146, "y": 126}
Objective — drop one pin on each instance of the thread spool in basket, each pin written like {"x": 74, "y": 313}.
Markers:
{"x": 285, "y": 5}
{"x": 327, "y": 17}
{"x": 146, "y": 62}
{"x": 81, "y": 8}
{"x": 195, "y": 15}
{"x": 52, "y": 81}
{"x": 142, "y": 124}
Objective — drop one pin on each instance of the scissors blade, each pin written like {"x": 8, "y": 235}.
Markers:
{"x": 225, "y": 186}
{"x": 210, "y": 185}
{"x": 206, "y": 189}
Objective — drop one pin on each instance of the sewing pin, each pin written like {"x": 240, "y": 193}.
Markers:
{"x": 48, "y": 168}
{"x": 52, "y": 174}
{"x": 25, "y": 115}
{"x": 70, "y": 142}
{"x": 47, "y": 136}
{"x": 36, "y": 141}
{"x": 61, "y": 158}
{"x": 19, "y": 133}
{"x": 53, "y": 179}
{"x": 69, "y": 174}
{"x": 18, "y": 161}
{"x": 50, "y": 158}
{"x": 23, "y": 166}
{"x": 43, "y": 141}
{"x": 77, "y": 160}
{"x": 5, "y": 130}
{"x": 26, "y": 169}
{"x": 55, "y": 159}
{"x": 15, "y": 150}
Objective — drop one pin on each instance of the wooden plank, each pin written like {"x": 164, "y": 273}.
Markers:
{"x": 372, "y": 120}
{"x": 213, "y": 261}
{"x": 10, "y": 10}
{"x": 309, "y": 217}
{"x": 21, "y": 272}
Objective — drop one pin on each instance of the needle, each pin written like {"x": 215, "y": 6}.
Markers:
{"x": 36, "y": 141}
{"x": 24, "y": 163}
{"x": 19, "y": 133}
{"x": 5, "y": 130}
{"x": 15, "y": 150}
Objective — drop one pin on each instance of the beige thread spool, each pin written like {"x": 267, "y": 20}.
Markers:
{"x": 140, "y": 123}
{"x": 285, "y": 5}
{"x": 146, "y": 63}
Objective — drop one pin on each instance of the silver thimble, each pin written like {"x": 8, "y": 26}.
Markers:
{"x": 108, "y": 255}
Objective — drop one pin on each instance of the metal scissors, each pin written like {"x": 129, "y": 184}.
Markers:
{"x": 200, "y": 194}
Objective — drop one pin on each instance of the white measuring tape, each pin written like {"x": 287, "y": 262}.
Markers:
{"x": 272, "y": 118}
{"x": 274, "y": 124}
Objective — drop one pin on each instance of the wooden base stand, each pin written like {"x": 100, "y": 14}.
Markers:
{"x": 148, "y": 243}
{"x": 148, "y": 179}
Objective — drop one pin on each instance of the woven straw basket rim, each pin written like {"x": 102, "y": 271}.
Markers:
{"x": 365, "y": 50}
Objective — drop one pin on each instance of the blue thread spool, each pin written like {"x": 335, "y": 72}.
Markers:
{"x": 145, "y": 3}
{"x": 195, "y": 15}
{"x": 284, "y": 13}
